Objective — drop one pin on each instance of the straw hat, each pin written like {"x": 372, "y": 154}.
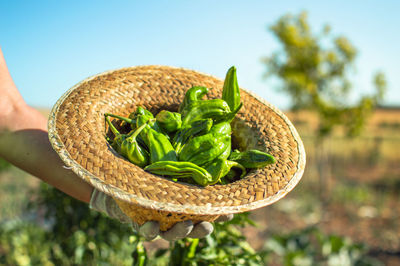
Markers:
{"x": 76, "y": 132}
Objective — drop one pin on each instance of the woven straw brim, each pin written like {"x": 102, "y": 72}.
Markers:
{"x": 77, "y": 127}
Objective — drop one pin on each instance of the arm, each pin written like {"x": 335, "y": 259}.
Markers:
{"x": 25, "y": 144}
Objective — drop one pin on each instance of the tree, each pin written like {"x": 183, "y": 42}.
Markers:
{"x": 314, "y": 71}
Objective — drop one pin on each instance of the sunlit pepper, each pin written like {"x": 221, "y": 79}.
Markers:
{"x": 160, "y": 147}
{"x": 252, "y": 158}
{"x": 216, "y": 109}
{"x": 180, "y": 170}
{"x": 193, "y": 94}
{"x": 169, "y": 121}
{"x": 127, "y": 145}
{"x": 230, "y": 91}
{"x": 205, "y": 148}
{"x": 145, "y": 115}
{"x": 199, "y": 127}
{"x": 220, "y": 167}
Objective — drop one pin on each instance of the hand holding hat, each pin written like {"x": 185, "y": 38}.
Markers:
{"x": 150, "y": 230}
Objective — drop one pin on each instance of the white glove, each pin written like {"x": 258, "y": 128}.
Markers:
{"x": 150, "y": 230}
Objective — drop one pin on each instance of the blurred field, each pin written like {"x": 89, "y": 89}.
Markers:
{"x": 361, "y": 192}
{"x": 361, "y": 195}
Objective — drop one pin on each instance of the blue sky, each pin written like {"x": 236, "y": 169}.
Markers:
{"x": 51, "y": 45}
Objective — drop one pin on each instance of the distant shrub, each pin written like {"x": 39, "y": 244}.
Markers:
{"x": 312, "y": 247}
{"x": 393, "y": 125}
{"x": 4, "y": 164}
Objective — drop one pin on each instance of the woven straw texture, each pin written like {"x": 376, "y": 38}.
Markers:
{"x": 77, "y": 127}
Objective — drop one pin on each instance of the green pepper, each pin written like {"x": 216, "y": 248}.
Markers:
{"x": 118, "y": 137}
{"x": 142, "y": 111}
{"x": 160, "y": 147}
{"x": 133, "y": 151}
{"x": 158, "y": 144}
{"x": 127, "y": 146}
{"x": 229, "y": 177}
{"x": 169, "y": 121}
{"x": 229, "y": 117}
{"x": 180, "y": 170}
{"x": 145, "y": 116}
{"x": 222, "y": 128}
{"x": 203, "y": 149}
{"x": 199, "y": 127}
{"x": 231, "y": 91}
{"x": 214, "y": 108}
{"x": 132, "y": 122}
{"x": 192, "y": 95}
{"x": 220, "y": 167}
{"x": 252, "y": 158}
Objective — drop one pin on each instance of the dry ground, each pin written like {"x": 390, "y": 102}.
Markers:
{"x": 360, "y": 198}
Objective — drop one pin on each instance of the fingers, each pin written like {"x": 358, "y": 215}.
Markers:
{"x": 201, "y": 230}
{"x": 224, "y": 218}
{"x": 149, "y": 230}
{"x": 101, "y": 202}
{"x": 178, "y": 231}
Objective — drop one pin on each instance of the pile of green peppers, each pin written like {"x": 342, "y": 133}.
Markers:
{"x": 192, "y": 145}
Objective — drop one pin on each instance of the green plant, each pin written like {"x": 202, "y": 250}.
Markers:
{"x": 4, "y": 164}
{"x": 310, "y": 246}
{"x": 225, "y": 246}
{"x": 313, "y": 69}
{"x": 69, "y": 233}
{"x": 24, "y": 243}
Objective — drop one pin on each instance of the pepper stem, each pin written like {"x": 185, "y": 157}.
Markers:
{"x": 112, "y": 127}
{"x": 238, "y": 165}
{"x": 137, "y": 131}
{"x": 126, "y": 119}
{"x": 232, "y": 115}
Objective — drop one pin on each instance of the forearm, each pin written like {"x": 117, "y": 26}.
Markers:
{"x": 26, "y": 145}
{"x": 24, "y": 141}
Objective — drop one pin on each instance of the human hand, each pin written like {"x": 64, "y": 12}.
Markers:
{"x": 150, "y": 230}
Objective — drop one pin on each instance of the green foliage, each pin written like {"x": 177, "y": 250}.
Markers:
{"x": 72, "y": 234}
{"x": 314, "y": 70}
{"x": 75, "y": 235}
{"x": 225, "y": 246}
{"x": 311, "y": 247}
{"x": 24, "y": 243}
{"x": 352, "y": 193}
{"x": 4, "y": 164}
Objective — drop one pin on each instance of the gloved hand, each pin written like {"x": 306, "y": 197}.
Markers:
{"x": 150, "y": 230}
